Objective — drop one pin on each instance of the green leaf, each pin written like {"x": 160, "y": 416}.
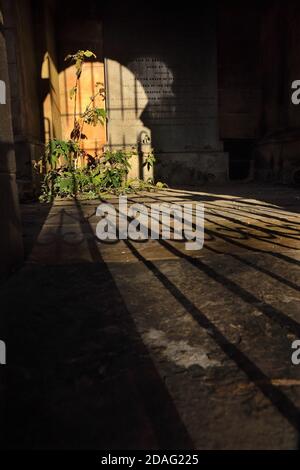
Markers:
{"x": 72, "y": 92}
{"x": 89, "y": 54}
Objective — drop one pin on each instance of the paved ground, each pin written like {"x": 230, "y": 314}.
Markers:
{"x": 146, "y": 345}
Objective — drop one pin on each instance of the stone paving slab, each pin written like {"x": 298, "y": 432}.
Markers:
{"x": 146, "y": 345}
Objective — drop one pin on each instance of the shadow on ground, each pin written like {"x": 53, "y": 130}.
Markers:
{"x": 145, "y": 345}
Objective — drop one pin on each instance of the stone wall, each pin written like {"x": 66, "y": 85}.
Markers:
{"x": 86, "y": 35}
{"x": 24, "y": 79}
{"x": 277, "y": 153}
{"x": 161, "y": 77}
{"x": 11, "y": 249}
{"x": 180, "y": 82}
{"x": 49, "y": 70}
{"x": 239, "y": 69}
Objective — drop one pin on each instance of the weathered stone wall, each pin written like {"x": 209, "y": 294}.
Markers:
{"x": 258, "y": 60}
{"x": 179, "y": 82}
{"x": 51, "y": 105}
{"x": 277, "y": 153}
{"x": 11, "y": 250}
{"x": 239, "y": 69}
{"x": 161, "y": 77}
{"x": 81, "y": 35}
{"x": 24, "y": 78}
{"x": 293, "y": 60}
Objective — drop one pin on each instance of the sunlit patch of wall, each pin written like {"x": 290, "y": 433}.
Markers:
{"x": 59, "y": 105}
{"x": 126, "y": 101}
{"x": 92, "y": 73}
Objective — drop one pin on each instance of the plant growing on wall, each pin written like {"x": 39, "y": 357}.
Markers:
{"x": 108, "y": 173}
{"x": 92, "y": 114}
{"x": 66, "y": 152}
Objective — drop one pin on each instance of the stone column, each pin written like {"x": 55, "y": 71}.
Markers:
{"x": 11, "y": 248}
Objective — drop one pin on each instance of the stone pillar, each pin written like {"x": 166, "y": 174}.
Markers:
{"x": 11, "y": 248}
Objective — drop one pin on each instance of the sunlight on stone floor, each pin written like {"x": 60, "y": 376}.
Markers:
{"x": 216, "y": 325}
